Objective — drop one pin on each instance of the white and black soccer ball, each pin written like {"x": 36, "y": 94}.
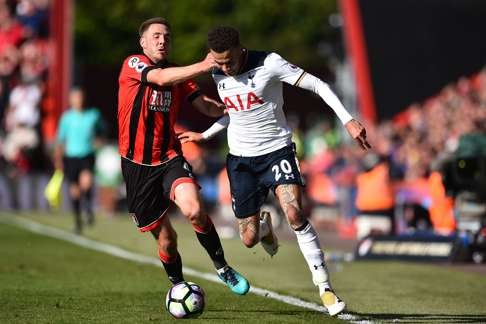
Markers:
{"x": 185, "y": 300}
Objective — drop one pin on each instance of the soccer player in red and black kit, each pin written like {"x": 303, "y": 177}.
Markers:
{"x": 155, "y": 171}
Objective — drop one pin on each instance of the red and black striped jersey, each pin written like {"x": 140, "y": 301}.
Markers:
{"x": 147, "y": 112}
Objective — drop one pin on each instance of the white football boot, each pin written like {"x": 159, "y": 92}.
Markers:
{"x": 332, "y": 302}
{"x": 269, "y": 241}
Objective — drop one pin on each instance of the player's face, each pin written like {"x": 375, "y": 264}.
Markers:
{"x": 155, "y": 42}
{"x": 229, "y": 61}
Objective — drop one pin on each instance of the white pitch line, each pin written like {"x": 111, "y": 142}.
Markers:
{"x": 124, "y": 254}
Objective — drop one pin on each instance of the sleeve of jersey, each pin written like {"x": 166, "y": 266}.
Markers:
{"x": 136, "y": 68}
{"x": 191, "y": 90}
{"x": 217, "y": 127}
{"x": 283, "y": 70}
{"x": 319, "y": 87}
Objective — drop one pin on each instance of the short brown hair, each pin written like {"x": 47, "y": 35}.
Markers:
{"x": 156, "y": 20}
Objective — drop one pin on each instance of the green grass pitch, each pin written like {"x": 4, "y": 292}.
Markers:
{"x": 45, "y": 280}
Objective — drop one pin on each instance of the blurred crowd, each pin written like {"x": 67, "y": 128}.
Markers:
{"x": 23, "y": 74}
{"x": 400, "y": 180}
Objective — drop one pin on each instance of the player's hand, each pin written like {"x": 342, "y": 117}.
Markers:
{"x": 208, "y": 63}
{"x": 186, "y": 137}
{"x": 358, "y": 132}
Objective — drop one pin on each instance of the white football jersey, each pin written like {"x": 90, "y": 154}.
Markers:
{"x": 254, "y": 101}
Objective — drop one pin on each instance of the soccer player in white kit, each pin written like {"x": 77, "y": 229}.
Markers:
{"x": 261, "y": 153}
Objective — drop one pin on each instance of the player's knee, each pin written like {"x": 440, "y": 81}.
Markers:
{"x": 74, "y": 192}
{"x": 85, "y": 180}
{"x": 194, "y": 215}
{"x": 249, "y": 239}
{"x": 295, "y": 217}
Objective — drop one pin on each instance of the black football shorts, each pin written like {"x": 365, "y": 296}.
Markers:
{"x": 151, "y": 188}
{"x": 74, "y": 165}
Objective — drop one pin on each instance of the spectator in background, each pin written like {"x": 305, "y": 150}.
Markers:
{"x": 375, "y": 197}
{"x": 23, "y": 63}
{"x": 33, "y": 14}
{"x": 11, "y": 31}
{"x": 21, "y": 121}
{"x": 8, "y": 63}
{"x": 75, "y": 154}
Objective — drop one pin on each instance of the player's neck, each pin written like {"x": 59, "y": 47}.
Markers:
{"x": 243, "y": 60}
{"x": 154, "y": 61}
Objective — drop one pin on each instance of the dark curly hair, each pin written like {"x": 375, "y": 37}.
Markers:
{"x": 222, "y": 38}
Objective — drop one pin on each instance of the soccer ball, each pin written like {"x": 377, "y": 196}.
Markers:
{"x": 184, "y": 300}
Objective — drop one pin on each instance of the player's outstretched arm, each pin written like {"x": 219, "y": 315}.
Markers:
{"x": 209, "y": 106}
{"x": 209, "y": 133}
{"x": 358, "y": 132}
{"x": 174, "y": 75}
{"x": 354, "y": 127}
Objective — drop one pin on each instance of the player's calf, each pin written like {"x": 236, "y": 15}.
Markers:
{"x": 249, "y": 230}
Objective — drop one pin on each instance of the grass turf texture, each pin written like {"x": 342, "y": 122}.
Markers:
{"x": 382, "y": 291}
{"x": 45, "y": 280}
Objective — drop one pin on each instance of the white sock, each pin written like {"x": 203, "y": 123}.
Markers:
{"x": 311, "y": 249}
{"x": 222, "y": 270}
{"x": 323, "y": 286}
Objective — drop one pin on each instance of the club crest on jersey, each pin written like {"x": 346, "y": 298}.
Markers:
{"x": 250, "y": 77}
{"x": 242, "y": 102}
{"x": 160, "y": 101}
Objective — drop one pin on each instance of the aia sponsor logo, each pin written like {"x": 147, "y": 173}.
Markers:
{"x": 243, "y": 101}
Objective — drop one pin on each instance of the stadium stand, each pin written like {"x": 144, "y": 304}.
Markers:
{"x": 23, "y": 73}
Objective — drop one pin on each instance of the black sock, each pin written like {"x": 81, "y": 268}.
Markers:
{"x": 210, "y": 241}
{"x": 76, "y": 205}
{"x": 174, "y": 270}
{"x": 88, "y": 205}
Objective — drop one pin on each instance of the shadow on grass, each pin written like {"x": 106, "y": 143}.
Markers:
{"x": 423, "y": 318}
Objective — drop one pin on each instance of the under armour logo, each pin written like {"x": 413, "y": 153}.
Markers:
{"x": 221, "y": 86}
{"x": 320, "y": 265}
{"x": 219, "y": 251}
{"x": 289, "y": 176}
